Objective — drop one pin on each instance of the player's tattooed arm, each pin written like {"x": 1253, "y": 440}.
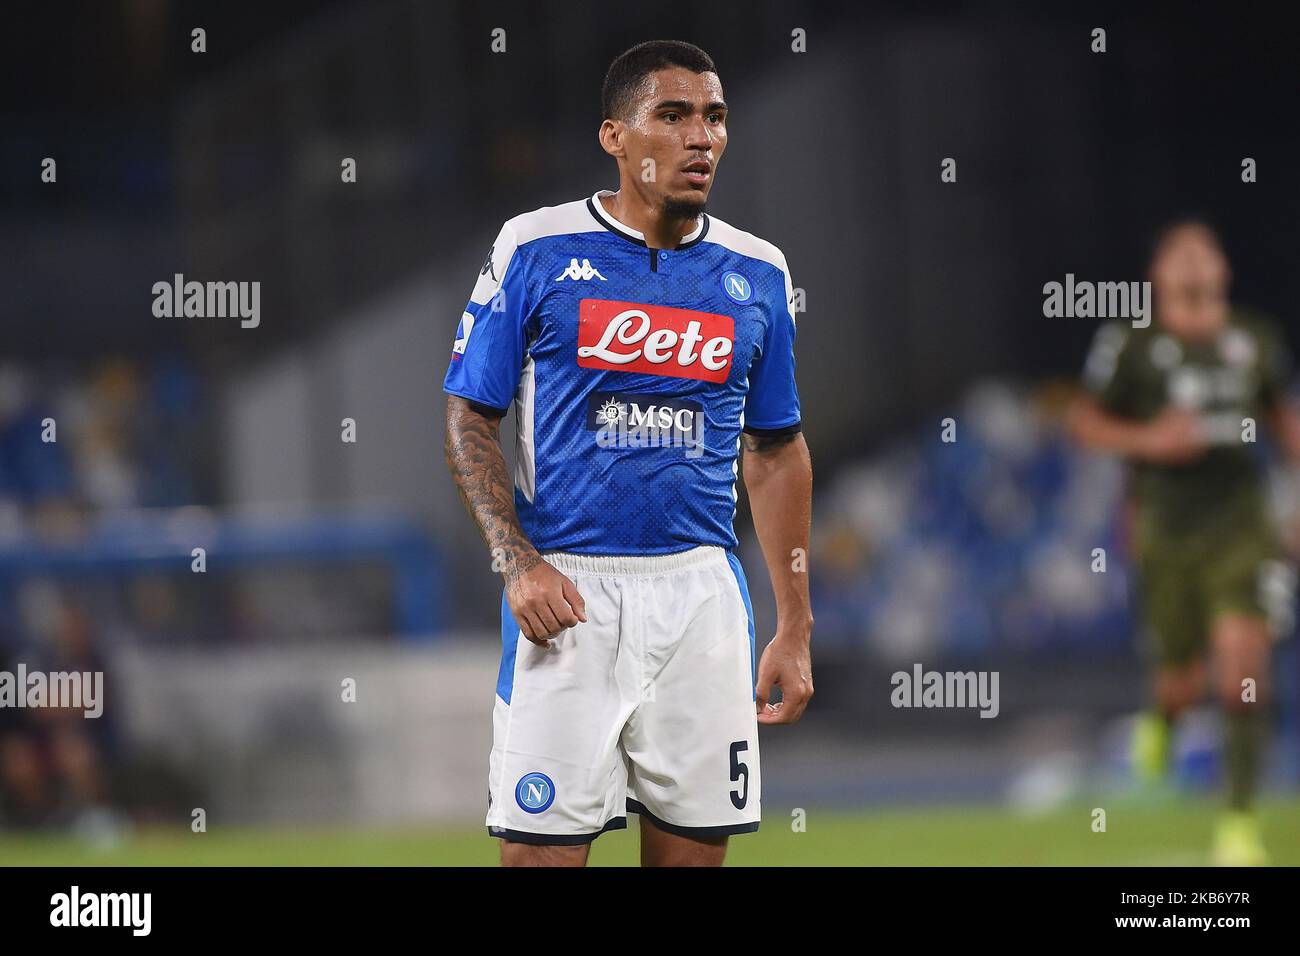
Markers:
{"x": 478, "y": 466}
{"x": 543, "y": 601}
{"x": 778, "y": 479}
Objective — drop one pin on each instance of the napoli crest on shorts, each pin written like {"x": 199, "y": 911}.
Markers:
{"x": 737, "y": 287}
{"x": 534, "y": 792}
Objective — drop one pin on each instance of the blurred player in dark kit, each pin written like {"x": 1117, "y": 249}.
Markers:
{"x": 1181, "y": 400}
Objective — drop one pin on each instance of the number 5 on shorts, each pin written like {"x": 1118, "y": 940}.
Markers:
{"x": 739, "y": 770}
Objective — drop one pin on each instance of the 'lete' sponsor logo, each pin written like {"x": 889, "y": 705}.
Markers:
{"x": 654, "y": 340}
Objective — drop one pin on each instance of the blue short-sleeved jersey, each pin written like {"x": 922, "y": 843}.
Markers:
{"x": 632, "y": 371}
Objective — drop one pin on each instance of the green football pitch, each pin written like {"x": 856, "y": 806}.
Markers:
{"x": 1168, "y": 834}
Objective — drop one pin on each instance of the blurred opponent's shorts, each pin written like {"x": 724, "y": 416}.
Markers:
{"x": 1187, "y": 581}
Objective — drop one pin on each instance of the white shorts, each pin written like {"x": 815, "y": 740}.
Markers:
{"x": 646, "y": 708}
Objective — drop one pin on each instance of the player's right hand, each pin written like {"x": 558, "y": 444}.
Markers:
{"x": 1173, "y": 437}
{"x": 544, "y": 602}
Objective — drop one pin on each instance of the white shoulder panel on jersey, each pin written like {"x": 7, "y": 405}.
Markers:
{"x": 494, "y": 268}
{"x": 569, "y": 218}
{"x": 748, "y": 244}
{"x": 745, "y": 243}
{"x": 572, "y": 217}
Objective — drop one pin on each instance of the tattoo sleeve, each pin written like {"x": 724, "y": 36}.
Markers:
{"x": 478, "y": 466}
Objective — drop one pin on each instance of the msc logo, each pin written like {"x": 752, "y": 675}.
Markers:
{"x": 534, "y": 792}
{"x": 650, "y": 412}
{"x": 737, "y": 286}
{"x": 578, "y": 272}
{"x": 624, "y": 420}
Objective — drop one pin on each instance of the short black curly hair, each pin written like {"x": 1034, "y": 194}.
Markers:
{"x": 630, "y": 68}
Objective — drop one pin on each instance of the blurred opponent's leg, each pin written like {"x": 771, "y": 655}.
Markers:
{"x": 1241, "y": 645}
{"x": 1177, "y": 689}
{"x": 1170, "y": 584}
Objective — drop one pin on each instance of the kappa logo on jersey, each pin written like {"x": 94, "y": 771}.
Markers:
{"x": 655, "y": 340}
{"x": 534, "y": 792}
{"x": 579, "y": 272}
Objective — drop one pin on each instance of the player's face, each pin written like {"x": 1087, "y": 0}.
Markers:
{"x": 1190, "y": 279}
{"x": 675, "y": 137}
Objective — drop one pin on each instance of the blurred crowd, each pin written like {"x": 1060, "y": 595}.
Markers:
{"x": 106, "y": 485}
{"x": 978, "y": 535}
{"x": 76, "y": 442}
{"x": 54, "y": 761}
{"x": 123, "y": 437}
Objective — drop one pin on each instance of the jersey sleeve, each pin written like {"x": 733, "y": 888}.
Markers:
{"x": 772, "y": 406}
{"x": 491, "y": 342}
{"x": 1108, "y": 372}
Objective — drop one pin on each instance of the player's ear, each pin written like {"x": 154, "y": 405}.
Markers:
{"x": 611, "y": 137}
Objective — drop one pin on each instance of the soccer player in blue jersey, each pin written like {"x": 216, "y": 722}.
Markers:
{"x": 642, "y": 344}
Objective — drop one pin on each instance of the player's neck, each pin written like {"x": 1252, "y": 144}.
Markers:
{"x": 1198, "y": 337}
{"x": 660, "y": 231}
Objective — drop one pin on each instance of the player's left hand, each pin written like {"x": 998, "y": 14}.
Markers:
{"x": 786, "y": 663}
